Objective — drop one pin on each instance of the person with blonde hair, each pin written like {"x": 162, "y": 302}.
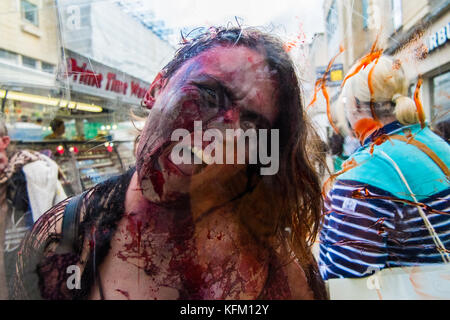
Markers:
{"x": 389, "y": 207}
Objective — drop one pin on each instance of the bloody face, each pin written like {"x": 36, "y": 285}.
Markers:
{"x": 224, "y": 87}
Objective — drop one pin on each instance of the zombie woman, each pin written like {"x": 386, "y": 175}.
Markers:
{"x": 195, "y": 229}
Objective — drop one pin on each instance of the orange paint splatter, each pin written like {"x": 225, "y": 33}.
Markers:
{"x": 364, "y": 193}
{"x": 317, "y": 88}
{"x": 321, "y": 85}
{"x": 299, "y": 39}
{"x": 347, "y": 165}
{"x": 418, "y": 103}
{"x": 327, "y": 99}
{"x": 327, "y": 213}
{"x": 379, "y": 141}
{"x": 362, "y": 63}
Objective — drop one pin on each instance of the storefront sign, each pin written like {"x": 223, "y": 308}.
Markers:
{"x": 107, "y": 82}
{"x": 439, "y": 38}
{"x": 334, "y": 76}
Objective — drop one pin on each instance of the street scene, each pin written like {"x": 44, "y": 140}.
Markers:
{"x": 239, "y": 150}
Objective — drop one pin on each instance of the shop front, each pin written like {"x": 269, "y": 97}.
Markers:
{"x": 436, "y": 69}
{"x": 429, "y": 57}
{"x": 95, "y": 103}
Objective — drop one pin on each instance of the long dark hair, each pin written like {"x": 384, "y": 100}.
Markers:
{"x": 294, "y": 211}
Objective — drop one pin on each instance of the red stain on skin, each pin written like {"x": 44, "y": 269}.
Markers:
{"x": 231, "y": 116}
{"x": 184, "y": 258}
{"x": 125, "y": 293}
{"x": 137, "y": 248}
{"x": 149, "y": 98}
{"x": 191, "y": 274}
{"x": 157, "y": 179}
{"x": 418, "y": 103}
{"x": 92, "y": 238}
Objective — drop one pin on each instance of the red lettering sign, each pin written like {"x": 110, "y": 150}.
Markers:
{"x": 87, "y": 77}
{"x": 116, "y": 85}
{"x": 137, "y": 90}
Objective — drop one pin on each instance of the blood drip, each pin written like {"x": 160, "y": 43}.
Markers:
{"x": 157, "y": 179}
{"x": 125, "y": 293}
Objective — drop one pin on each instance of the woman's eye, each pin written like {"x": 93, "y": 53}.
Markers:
{"x": 213, "y": 98}
{"x": 246, "y": 125}
{"x": 210, "y": 92}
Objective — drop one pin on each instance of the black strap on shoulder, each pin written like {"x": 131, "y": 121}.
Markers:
{"x": 70, "y": 223}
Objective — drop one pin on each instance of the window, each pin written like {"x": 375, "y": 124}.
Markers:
{"x": 332, "y": 22}
{"x": 441, "y": 89}
{"x": 365, "y": 14}
{"x": 7, "y": 55}
{"x": 30, "y": 12}
{"x": 396, "y": 13}
{"x": 29, "y": 62}
{"x": 47, "y": 67}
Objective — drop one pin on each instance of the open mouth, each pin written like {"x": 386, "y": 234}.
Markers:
{"x": 198, "y": 161}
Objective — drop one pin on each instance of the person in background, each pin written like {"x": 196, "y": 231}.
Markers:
{"x": 337, "y": 150}
{"x": 28, "y": 187}
{"x": 58, "y": 129}
{"x": 351, "y": 144}
{"x": 371, "y": 222}
{"x": 442, "y": 128}
{"x": 24, "y": 118}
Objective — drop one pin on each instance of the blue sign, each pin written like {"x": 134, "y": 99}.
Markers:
{"x": 439, "y": 38}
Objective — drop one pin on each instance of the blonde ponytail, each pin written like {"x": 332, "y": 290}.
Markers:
{"x": 405, "y": 110}
{"x": 389, "y": 83}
